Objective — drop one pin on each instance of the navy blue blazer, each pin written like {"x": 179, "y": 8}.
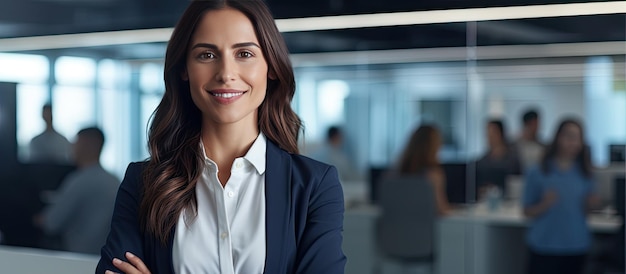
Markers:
{"x": 304, "y": 219}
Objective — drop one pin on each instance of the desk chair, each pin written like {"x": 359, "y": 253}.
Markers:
{"x": 406, "y": 227}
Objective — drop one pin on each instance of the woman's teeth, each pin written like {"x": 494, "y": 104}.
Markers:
{"x": 227, "y": 95}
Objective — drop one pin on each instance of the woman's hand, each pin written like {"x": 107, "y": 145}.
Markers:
{"x": 550, "y": 197}
{"x": 136, "y": 265}
{"x": 593, "y": 202}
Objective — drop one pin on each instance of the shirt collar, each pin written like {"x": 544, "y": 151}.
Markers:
{"x": 255, "y": 155}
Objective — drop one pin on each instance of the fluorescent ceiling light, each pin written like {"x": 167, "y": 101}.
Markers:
{"x": 326, "y": 23}
{"x": 80, "y": 40}
{"x": 449, "y": 16}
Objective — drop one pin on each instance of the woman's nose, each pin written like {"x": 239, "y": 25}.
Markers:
{"x": 227, "y": 70}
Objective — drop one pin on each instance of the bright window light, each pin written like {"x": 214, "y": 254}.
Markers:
{"x": 30, "y": 100}
{"x": 331, "y": 95}
{"x": 24, "y": 68}
{"x": 151, "y": 78}
{"x": 113, "y": 74}
{"x": 148, "y": 105}
{"x": 75, "y": 71}
{"x": 73, "y": 109}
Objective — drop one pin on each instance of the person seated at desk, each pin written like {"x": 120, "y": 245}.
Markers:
{"x": 419, "y": 158}
{"x": 81, "y": 210}
{"x": 557, "y": 194}
{"x": 333, "y": 152}
{"x": 498, "y": 163}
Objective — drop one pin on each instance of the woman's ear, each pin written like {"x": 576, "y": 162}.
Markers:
{"x": 271, "y": 74}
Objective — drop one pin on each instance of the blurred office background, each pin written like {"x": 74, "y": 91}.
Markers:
{"x": 455, "y": 64}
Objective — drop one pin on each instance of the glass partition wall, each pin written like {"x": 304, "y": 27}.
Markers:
{"x": 505, "y": 71}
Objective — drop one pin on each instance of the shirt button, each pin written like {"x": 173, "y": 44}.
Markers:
{"x": 239, "y": 165}
{"x": 224, "y": 235}
{"x": 231, "y": 194}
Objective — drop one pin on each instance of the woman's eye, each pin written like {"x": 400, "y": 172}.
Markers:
{"x": 245, "y": 54}
{"x": 206, "y": 56}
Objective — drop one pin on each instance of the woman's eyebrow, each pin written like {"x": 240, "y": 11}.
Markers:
{"x": 204, "y": 45}
{"x": 246, "y": 44}
{"x": 238, "y": 45}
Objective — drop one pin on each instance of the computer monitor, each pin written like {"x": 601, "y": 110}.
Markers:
{"x": 375, "y": 174}
{"x": 456, "y": 182}
{"x": 617, "y": 153}
{"x": 492, "y": 175}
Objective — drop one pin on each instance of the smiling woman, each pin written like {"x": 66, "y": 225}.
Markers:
{"x": 228, "y": 72}
{"x": 225, "y": 190}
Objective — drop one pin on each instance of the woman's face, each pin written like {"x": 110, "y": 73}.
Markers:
{"x": 493, "y": 134}
{"x": 437, "y": 140}
{"x": 226, "y": 69}
{"x": 570, "y": 141}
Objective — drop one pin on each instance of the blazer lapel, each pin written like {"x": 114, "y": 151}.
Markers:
{"x": 277, "y": 206}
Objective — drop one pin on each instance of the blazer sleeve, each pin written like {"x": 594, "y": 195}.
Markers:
{"x": 125, "y": 231}
{"x": 320, "y": 248}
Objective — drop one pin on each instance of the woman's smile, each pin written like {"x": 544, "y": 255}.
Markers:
{"x": 226, "y": 96}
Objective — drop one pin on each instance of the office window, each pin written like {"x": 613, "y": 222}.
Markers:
{"x": 152, "y": 88}
{"x": 330, "y": 97}
{"x": 151, "y": 78}
{"x": 114, "y": 116}
{"x": 30, "y": 99}
{"x": 73, "y": 109}
{"x": 148, "y": 105}
{"x": 24, "y": 68}
{"x": 113, "y": 74}
{"x": 75, "y": 71}
{"x": 31, "y": 72}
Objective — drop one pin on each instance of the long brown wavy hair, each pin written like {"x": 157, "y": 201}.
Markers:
{"x": 176, "y": 160}
{"x": 421, "y": 151}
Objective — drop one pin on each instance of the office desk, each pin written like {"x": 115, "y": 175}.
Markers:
{"x": 474, "y": 240}
{"x": 359, "y": 242}
{"x": 32, "y": 260}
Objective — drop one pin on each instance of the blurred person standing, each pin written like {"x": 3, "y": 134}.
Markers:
{"x": 49, "y": 146}
{"x": 500, "y": 160}
{"x": 420, "y": 159}
{"x": 529, "y": 148}
{"x": 333, "y": 152}
{"x": 82, "y": 207}
{"x": 557, "y": 195}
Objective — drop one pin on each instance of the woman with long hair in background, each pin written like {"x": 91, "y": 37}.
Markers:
{"x": 557, "y": 196}
{"x": 420, "y": 157}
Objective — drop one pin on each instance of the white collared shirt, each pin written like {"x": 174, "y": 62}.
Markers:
{"x": 228, "y": 234}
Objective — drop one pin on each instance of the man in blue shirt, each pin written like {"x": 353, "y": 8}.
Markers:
{"x": 82, "y": 208}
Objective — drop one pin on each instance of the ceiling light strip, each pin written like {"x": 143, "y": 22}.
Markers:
{"x": 80, "y": 40}
{"x": 111, "y": 38}
{"x": 449, "y": 16}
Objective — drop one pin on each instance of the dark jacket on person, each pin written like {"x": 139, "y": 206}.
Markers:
{"x": 304, "y": 219}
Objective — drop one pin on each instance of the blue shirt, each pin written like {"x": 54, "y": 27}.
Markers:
{"x": 82, "y": 210}
{"x": 562, "y": 229}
